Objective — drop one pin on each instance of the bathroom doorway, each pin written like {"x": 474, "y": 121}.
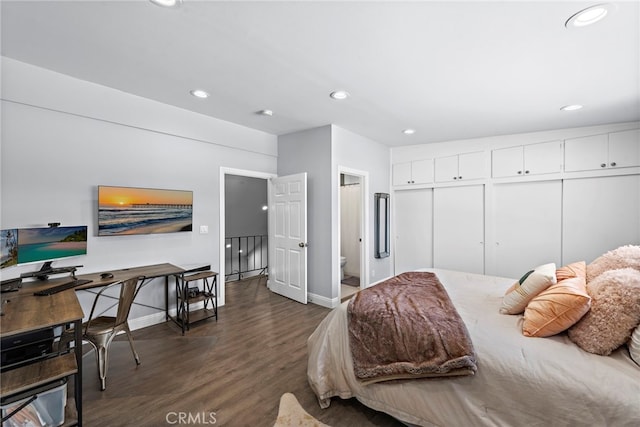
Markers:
{"x": 351, "y": 234}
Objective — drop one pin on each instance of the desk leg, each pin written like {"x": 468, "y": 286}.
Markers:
{"x": 78, "y": 380}
{"x": 166, "y": 298}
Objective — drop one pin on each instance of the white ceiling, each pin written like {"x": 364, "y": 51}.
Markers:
{"x": 451, "y": 70}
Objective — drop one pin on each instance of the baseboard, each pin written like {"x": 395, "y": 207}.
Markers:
{"x": 149, "y": 320}
{"x": 332, "y": 302}
{"x": 323, "y": 301}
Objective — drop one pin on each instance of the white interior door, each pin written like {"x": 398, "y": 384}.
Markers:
{"x": 288, "y": 236}
{"x": 599, "y": 215}
{"x": 527, "y": 222}
{"x": 458, "y": 228}
{"x": 413, "y": 211}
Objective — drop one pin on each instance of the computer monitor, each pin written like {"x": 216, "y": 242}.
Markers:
{"x": 52, "y": 243}
{"x": 8, "y": 247}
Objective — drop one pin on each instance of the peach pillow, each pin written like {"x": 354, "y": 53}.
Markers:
{"x": 614, "y": 314}
{"x": 560, "y": 306}
{"x": 531, "y": 284}
{"x": 576, "y": 269}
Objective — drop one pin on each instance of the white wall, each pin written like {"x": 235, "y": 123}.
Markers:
{"x": 244, "y": 198}
{"x": 355, "y": 152}
{"x": 62, "y": 137}
{"x": 447, "y": 148}
{"x": 323, "y": 152}
{"x": 310, "y": 151}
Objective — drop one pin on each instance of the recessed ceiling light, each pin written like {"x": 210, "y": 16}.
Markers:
{"x": 339, "y": 94}
{"x": 265, "y": 113}
{"x": 588, "y": 16}
{"x": 571, "y": 107}
{"x": 199, "y": 93}
{"x": 167, "y": 3}
{"x": 409, "y": 131}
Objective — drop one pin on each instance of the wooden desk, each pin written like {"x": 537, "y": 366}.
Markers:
{"x": 29, "y": 313}
{"x": 147, "y": 271}
{"x": 25, "y": 312}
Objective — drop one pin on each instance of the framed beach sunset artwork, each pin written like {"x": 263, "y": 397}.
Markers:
{"x": 131, "y": 210}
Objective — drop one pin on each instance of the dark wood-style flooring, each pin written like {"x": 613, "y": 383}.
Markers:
{"x": 237, "y": 368}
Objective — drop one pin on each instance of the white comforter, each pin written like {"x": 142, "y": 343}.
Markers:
{"x": 520, "y": 381}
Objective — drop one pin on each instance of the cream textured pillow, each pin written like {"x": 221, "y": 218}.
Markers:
{"x": 622, "y": 257}
{"x": 634, "y": 345}
{"x": 531, "y": 284}
{"x": 615, "y": 312}
{"x": 560, "y": 306}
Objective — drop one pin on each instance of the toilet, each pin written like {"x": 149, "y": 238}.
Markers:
{"x": 343, "y": 261}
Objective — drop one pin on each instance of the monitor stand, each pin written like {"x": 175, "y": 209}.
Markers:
{"x": 47, "y": 269}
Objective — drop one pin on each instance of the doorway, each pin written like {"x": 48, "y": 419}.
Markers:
{"x": 351, "y": 202}
{"x": 242, "y": 251}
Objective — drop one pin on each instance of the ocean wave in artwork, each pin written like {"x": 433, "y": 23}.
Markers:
{"x": 143, "y": 220}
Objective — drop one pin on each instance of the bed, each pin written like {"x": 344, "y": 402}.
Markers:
{"x": 519, "y": 380}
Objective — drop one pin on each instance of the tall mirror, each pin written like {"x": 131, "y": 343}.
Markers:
{"x": 381, "y": 219}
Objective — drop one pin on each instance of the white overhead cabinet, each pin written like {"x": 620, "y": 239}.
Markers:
{"x": 605, "y": 151}
{"x": 413, "y": 210}
{"x": 523, "y": 160}
{"x": 461, "y": 167}
{"x": 458, "y": 228}
{"x": 527, "y": 221}
{"x": 413, "y": 172}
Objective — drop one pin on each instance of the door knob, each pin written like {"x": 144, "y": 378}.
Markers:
{"x": 302, "y": 245}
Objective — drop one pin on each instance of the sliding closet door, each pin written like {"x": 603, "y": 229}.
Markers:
{"x": 599, "y": 214}
{"x": 413, "y": 221}
{"x": 458, "y": 228}
{"x": 527, "y": 219}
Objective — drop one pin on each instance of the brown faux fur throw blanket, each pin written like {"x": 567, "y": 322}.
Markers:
{"x": 407, "y": 327}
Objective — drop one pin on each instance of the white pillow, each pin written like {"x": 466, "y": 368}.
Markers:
{"x": 634, "y": 345}
{"x": 524, "y": 290}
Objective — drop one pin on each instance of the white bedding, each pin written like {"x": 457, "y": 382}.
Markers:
{"x": 520, "y": 381}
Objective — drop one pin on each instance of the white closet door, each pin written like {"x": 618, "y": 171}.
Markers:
{"x": 413, "y": 219}
{"x": 527, "y": 222}
{"x": 600, "y": 214}
{"x": 458, "y": 228}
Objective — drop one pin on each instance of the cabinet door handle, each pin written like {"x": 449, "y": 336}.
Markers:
{"x": 519, "y": 172}
{"x": 603, "y": 165}
{"x": 526, "y": 172}
{"x": 459, "y": 177}
{"x": 455, "y": 177}
{"x": 613, "y": 163}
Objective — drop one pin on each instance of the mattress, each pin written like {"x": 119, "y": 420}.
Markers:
{"x": 520, "y": 380}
